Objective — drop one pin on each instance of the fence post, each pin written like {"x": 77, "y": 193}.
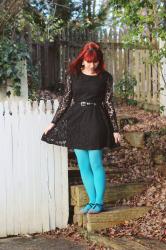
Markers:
{"x": 162, "y": 83}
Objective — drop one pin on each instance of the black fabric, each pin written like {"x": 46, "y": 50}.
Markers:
{"x": 85, "y": 127}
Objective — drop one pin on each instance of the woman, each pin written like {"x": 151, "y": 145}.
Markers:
{"x": 86, "y": 121}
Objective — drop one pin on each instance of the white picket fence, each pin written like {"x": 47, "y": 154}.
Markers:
{"x": 33, "y": 173}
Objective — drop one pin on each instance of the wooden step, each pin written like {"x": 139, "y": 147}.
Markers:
{"x": 114, "y": 192}
{"x": 122, "y": 243}
{"x": 75, "y": 177}
{"x": 74, "y": 172}
{"x": 109, "y": 168}
{"x": 109, "y": 165}
{"x": 113, "y": 216}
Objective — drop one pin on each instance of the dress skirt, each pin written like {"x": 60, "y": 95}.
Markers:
{"x": 83, "y": 127}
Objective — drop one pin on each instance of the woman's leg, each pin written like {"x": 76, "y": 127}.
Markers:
{"x": 86, "y": 173}
{"x": 95, "y": 157}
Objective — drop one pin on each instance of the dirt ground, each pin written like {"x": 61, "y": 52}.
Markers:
{"x": 38, "y": 243}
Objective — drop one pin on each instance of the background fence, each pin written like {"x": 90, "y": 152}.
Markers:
{"x": 53, "y": 59}
{"x": 33, "y": 174}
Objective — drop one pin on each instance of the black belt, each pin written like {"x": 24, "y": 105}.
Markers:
{"x": 85, "y": 103}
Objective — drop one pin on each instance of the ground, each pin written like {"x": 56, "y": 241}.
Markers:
{"x": 39, "y": 243}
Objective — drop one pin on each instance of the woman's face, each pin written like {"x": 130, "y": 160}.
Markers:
{"x": 91, "y": 66}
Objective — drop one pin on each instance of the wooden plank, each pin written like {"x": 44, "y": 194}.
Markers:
{"x": 122, "y": 243}
{"x": 3, "y": 197}
{"x": 115, "y": 58}
{"x": 43, "y": 168}
{"x": 148, "y": 79}
{"x": 23, "y": 175}
{"x": 143, "y": 79}
{"x": 65, "y": 190}
{"x": 78, "y": 219}
{"x": 7, "y": 165}
{"x": 116, "y": 216}
{"x": 112, "y": 193}
{"x": 155, "y": 84}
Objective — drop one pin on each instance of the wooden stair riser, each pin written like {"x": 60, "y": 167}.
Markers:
{"x": 110, "y": 218}
{"x": 78, "y": 219}
{"x": 115, "y": 217}
{"x": 122, "y": 243}
{"x": 118, "y": 214}
{"x": 112, "y": 193}
{"x": 74, "y": 172}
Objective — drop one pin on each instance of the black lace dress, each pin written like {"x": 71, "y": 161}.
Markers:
{"x": 85, "y": 127}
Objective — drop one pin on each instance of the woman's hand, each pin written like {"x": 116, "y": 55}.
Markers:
{"x": 50, "y": 126}
{"x": 117, "y": 137}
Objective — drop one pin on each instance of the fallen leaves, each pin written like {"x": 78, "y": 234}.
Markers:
{"x": 147, "y": 121}
{"x": 140, "y": 165}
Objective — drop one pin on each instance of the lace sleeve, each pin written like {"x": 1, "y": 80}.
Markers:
{"x": 108, "y": 103}
{"x": 65, "y": 100}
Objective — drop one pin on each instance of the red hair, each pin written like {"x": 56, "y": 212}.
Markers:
{"x": 90, "y": 52}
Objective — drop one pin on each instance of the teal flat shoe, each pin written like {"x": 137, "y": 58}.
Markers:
{"x": 85, "y": 209}
{"x": 97, "y": 208}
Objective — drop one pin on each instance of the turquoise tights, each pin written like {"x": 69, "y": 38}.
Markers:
{"x": 92, "y": 173}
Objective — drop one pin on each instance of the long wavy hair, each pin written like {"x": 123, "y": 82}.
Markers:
{"x": 90, "y": 52}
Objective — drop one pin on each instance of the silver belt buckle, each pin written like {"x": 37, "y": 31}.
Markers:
{"x": 83, "y": 103}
